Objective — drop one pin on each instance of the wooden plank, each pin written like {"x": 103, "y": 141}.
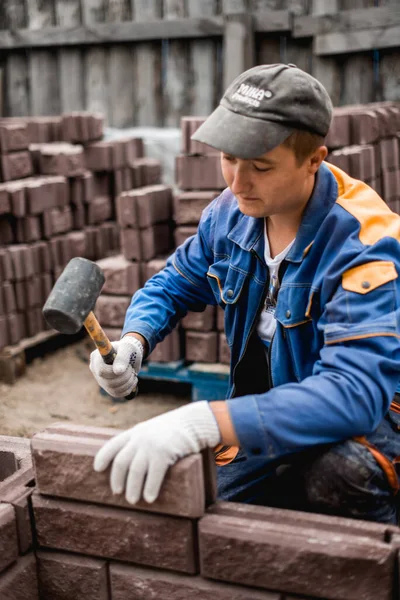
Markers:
{"x": 203, "y": 63}
{"x": 357, "y": 41}
{"x": 43, "y": 68}
{"x": 358, "y": 70}
{"x": 148, "y": 66}
{"x": 111, "y": 33}
{"x": 238, "y": 46}
{"x": 270, "y": 49}
{"x": 272, "y": 21}
{"x": 346, "y": 20}
{"x": 299, "y": 52}
{"x": 17, "y": 93}
{"x": 68, "y": 14}
{"x": 327, "y": 70}
{"x": 176, "y": 89}
{"x": 121, "y": 70}
{"x": 95, "y": 62}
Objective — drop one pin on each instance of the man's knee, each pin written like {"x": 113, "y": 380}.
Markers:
{"x": 347, "y": 481}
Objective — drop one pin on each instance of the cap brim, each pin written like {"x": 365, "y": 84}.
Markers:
{"x": 240, "y": 136}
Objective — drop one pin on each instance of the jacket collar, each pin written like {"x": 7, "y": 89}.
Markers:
{"x": 248, "y": 231}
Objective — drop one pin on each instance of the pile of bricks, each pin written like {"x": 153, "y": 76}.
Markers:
{"x": 364, "y": 141}
{"x": 85, "y": 543}
{"x": 59, "y": 183}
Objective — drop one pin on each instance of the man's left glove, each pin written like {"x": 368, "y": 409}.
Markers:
{"x": 142, "y": 455}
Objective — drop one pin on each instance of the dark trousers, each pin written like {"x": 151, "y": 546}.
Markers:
{"x": 343, "y": 479}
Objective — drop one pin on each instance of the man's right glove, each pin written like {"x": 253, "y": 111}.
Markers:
{"x": 120, "y": 378}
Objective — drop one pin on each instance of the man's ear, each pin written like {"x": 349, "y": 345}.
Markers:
{"x": 316, "y": 158}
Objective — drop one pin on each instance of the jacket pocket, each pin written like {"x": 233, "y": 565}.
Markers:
{"x": 226, "y": 282}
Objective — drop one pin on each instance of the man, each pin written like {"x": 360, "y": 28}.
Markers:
{"x": 304, "y": 260}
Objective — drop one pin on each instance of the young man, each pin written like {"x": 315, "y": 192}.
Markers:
{"x": 304, "y": 260}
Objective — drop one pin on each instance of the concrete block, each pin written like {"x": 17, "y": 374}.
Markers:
{"x": 122, "y": 276}
{"x": 145, "y": 244}
{"x": 64, "y": 576}
{"x": 149, "y": 171}
{"x": 199, "y": 173}
{"x": 182, "y": 492}
{"x": 144, "y": 207}
{"x": 19, "y": 582}
{"x": 131, "y": 536}
{"x": 201, "y": 347}
{"x": 13, "y": 136}
{"x": 143, "y": 584}
{"x": 16, "y": 165}
{"x": 189, "y": 206}
{"x": 8, "y": 536}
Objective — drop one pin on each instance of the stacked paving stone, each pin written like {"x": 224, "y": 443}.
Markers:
{"x": 364, "y": 141}
{"x": 90, "y": 544}
{"x": 18, "y": 578}
{"x": 59, "y": 182}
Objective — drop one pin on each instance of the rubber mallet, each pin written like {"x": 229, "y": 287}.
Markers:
{"x": 71, "y": 302}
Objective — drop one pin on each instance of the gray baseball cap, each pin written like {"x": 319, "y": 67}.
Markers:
{"x": 262, "y": 107}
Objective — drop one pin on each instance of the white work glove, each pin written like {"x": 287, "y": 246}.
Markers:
{"x": 120, "y": 378}
{"x": 142, "y": 455}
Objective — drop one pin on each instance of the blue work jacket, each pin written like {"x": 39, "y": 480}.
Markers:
{"x": 334, "y": 361}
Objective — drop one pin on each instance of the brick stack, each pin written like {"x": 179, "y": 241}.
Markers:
{"x": 364, "y": 141}
{"x": 62, "y": 206}
{"x": 90, "y": 544}
{"x": 18, "y": 578}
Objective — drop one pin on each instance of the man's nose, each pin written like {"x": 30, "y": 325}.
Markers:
{"x": 241, "y": 183}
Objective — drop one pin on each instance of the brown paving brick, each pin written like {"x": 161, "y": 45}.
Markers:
{"x": 4, "y": 341}
{"x": 181, "y": 234}
{"x": 122, "y": 276}
{"x": 300, "y": 560}
{"x": 8, "y": 536}
{"x": 201, "y": 347}
{"x": 78, "y": 217}
{"x": 364, "y": 126}
{"x": 19, "y": 497}
{"x": 9, "y": 299}
{"x": 5, "y": 206}
{"x": 143, "y": 584}
{"x": 224, "y": 352}
{"x": 154, "y": 540}
{"x": 200, "y": 321}
{"x": 16, "y": 329}
{"x": 34, "y": 321}
{"x": 101, "y": 184}
{"x": 110, "y": 310}
{"x": 144, "y": 207}
{"x": 17, "y": 197}
{"x": 133, "y": 149}
{"x": 61, "y": 159}
{"x": 189, "y": 206}
{"x": 63, "y": 577}
{"x": 155, "y": 265}
{"x": 6, "y": 230}
{"x": 168, "y": 350}
{"x": 145, "y": 244}
{"x": 43, "y": 256}
{"x": 149, "y": 171}
{"x": 13, "y": 136}
{"x": 389, "y": 152}
{"x": 189, "y": 126}
{"x": 391, "y": 185}
{"x": 22, "y": 261}
{"x": 19, "y": 582}
{"x": 100, "y": 209}
{"x": 99, "y": 156}
{"x": 28, "y": 229}
{"x": 182, "y": 492}
{"x": 16, "y": 165}
{"x": 339, "y": 131}
{"x": 199, "y": 173}
{"x": 77, "y": 242}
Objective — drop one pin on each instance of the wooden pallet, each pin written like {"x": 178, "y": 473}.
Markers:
{"x": 13, "y": 359}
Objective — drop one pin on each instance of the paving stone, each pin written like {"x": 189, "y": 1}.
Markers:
{"x": 64, "y": 468}
{"x": 143, "y": 584}
{"x": 145, "y": 244}
{"x": 122, "y": 276}
{"x": 4, "y": 341}
{"x": 5, "y": 206}
{"x": 300, "y": 560}
{"x": 16, "y": 328}
{"x": 200, "y": 321}
{"x": 22, "y": 261}
{"x": 133, "y": 149}
{"x": 111, "y": 310}
{"x": 61, "y": 159}
{"x": 10, "y": 302}
{"x": 6, "y": 230}
{"x": 77, "y": 242}
{"x": 199, "y": 173}
{"x": 189, "y": 125}
{"x": 168, "y": 350}
{"x": 391, "y": 185}
{"x": 13, "y": 136}
{"x": 155, "y": 265}
{"x": 19, "y": 498}
{"x": 224, "y": 352}
{"x": 16, "y": 165}
{"x": 63, "y": 577}
{"x": 100, "y": 209}
{"x": 389, "y": 151}
{"x": 149, "y": 171}
{"x": 8, "y": 536}
{"x": 201, "y": 346}
{"x": 189, "y": 206}
{"x": 181, "y": 234}
{"x": 19, "y": 582}
{"x": 28, "y": 229}
{"x": 339, "y": 131}
{"x": 131, "y": 536}
{"x": 17, "y": 197}
{"x": 104, "y": 155}
{"x": 364, "y": 126}
{"x": 144, "y": 207}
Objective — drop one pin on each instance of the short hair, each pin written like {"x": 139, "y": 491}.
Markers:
{"x": 303, "y": 143}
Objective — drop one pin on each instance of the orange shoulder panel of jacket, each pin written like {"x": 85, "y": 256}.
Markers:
{"x": 368, "y": 277}
{"x": 375, "y": 217}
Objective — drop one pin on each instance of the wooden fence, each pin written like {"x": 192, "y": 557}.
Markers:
{"x": 148, "y": 62}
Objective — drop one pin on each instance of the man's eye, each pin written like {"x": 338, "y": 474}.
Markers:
{"x": 229, "y": 158}
{"x": 262, "y": 170}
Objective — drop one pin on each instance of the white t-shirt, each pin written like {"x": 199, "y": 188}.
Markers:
{"x": 267, "y": 323}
